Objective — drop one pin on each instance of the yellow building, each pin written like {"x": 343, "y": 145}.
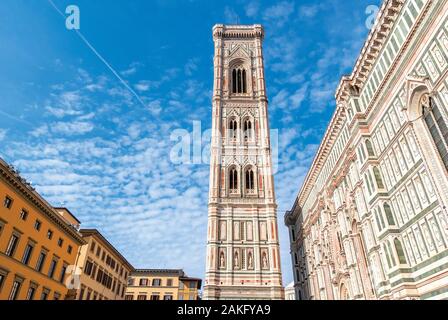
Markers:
{"x": 104, "y": 269}
{"x": 162, "y": 284}
{"x": 37, "y": 242}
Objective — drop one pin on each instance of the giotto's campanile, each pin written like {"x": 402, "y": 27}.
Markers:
{"x": 243, "y": 256}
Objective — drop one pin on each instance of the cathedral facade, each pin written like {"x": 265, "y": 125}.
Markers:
{"x": 370, "y": 221}
{"x": 243, "y": 258}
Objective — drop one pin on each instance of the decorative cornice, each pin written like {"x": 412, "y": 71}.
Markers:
{"x": 12, "y": 176}
{"x": 238, "y": 31}
{"x": 372, "y": 47}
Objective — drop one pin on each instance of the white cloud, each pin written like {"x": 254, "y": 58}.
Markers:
{"x": 72, "y": 128}
{"x": 230, "y": 16}
{"x": 309, "y": 11}
{"x": 252, "y": 8}
{"x": 2, "y": 134}
{"x": 142, "y": 86}
{"x": 278, "y": 14}
{"x": 191, "y": 66}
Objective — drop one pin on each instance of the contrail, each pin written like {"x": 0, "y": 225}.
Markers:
{"x": 15, "y": 118}
{"x": 101, "y": 57}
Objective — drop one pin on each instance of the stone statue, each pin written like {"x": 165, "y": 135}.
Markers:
{"x": 250, "y": 261}
{"x": 222, "y": 261}
{"x": 265, "y": 261}
{"x": 236, "y": 260}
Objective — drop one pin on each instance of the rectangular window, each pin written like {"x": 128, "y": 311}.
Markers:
{"x": 30, "y": 294}
{"x": 81, "y": 293}
{"x": 37, "y": 225}
{"x": 88, "y": 268}
{"x": 89, "y": 294}
{"x": 98, "y": 251}
{"x": 69, "y": 249}
{"x": 7, "y": 203}
{"x": 60, "y": 242}
{"x": 156, "y": 282}
{"x": 27, "y": 254}
{"x": 53, "y": 265}
{"x": 15, "y": 290}
{"x": 93, "y": 271}
{"x": 3, "y": 275}
{"x": 99, "y": 276}
{"x": 62, "y": 274}
{"x": 12, "y": 245}
{"x": 141, "y": 297}
{"x": 143, "y": 282}
{"x": 155, "y": 297}
{"x": 92, "y": 247}
{"x": 129, "y": 297}
{"x": 23, "y": 215}
{"x": 168, "y": 297}
{"x": 45, "y": 294}
{"x": 41, "y": 261}
{"x": 49, "y": 234}
{"x": 169, "y": 282}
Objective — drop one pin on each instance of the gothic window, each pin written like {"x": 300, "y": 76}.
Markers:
{"x": 248, "y": 130}
{"x": 387, "y": 256}
{"x": 369, "y": 147}
{"x": 379, "y": 181}
{"x": 233, "y": 180}
{"x": 233, "y": 129}
{"x": 250, "y": 183}
{"x": 239, "y": 80}
{"x": 437, "y": 127}
{"x": 389, "y": 215}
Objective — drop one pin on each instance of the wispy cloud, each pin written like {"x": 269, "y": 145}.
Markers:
{"x": 278, "y": 14}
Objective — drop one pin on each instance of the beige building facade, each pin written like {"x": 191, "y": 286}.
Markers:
{"x": 370, "y": 221}
{"x": 104, "y": 271}
{"x": 162, "y": 284}
{"x": 38, "y": 243}
{"x": 243, "y": 259}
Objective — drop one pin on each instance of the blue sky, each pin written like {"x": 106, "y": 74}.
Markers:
{"x": 73, "y": 129}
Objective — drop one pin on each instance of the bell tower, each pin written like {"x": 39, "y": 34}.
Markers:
{"x": 243, "y": 256}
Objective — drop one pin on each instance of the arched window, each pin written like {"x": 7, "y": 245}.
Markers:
{"x": 239, "y": 80}
{"x": 437, "y": 126}
{"x": 233, "y": 129}
{"x": 250, "y": 183}
{"x": 233, "y": 181}
{"x": 379, "y": 180}
{"x": 400, "y": 252}
{"x": 369, "y": 147}
{"x": 389, "y": 215}
{"x": 248, "y": 129}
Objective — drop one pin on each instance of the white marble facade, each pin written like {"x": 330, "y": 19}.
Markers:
{"x": 370, "y": 221}
{"x": 243, "y": 259}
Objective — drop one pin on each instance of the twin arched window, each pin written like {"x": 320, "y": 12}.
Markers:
{"x": 249, "y": 181}
{"x": 239, "y": 80}
{"x": 248, "y": 129}
{"x": 437, "y": 126}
